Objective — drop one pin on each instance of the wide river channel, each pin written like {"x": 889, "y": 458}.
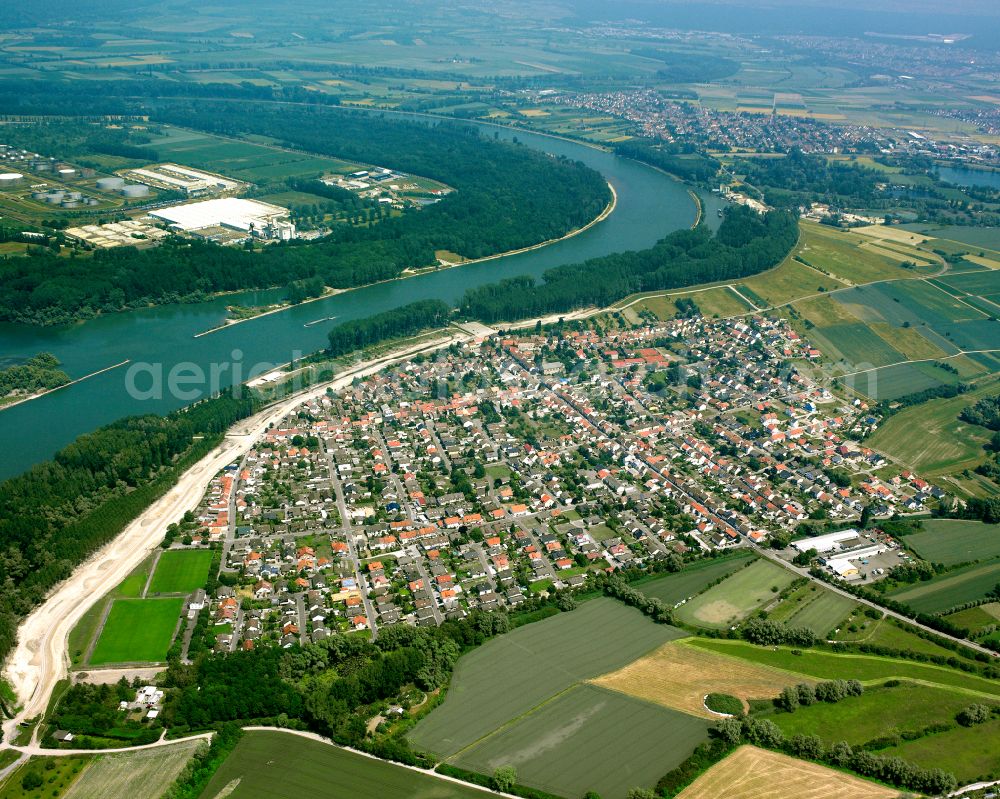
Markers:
{"x": 650, "y": 205}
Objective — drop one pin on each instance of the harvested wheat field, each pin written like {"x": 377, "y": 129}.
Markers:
{"x": 679, "y": 677}
{"x": 752, "y": 773}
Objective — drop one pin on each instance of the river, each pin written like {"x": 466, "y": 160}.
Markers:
{"x": 650, "y": 205}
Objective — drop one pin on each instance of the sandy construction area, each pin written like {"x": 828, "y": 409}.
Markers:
{"x": 752, "y": 773}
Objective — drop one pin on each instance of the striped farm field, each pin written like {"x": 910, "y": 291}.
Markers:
{"x": 680, "y": 677}
{"x": 953, "y": 588}
{"x": 589, "y": 739}
{"x": 137, "y": 775}
{"x": 511, "y": 674}
{"x": 752, "y": 773}
{"x": 951, "y": 541}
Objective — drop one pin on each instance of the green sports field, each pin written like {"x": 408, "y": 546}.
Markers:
{"x": 737, "y": 596}
{"x": 826, "y": 665}
{"x": 951, "y": 541}
{"x": 948, "y": 590}
{"x": 180, "y": 571}
{"x": 508, "y": 676}
{"x": 281, "y": 765}
{"x": 693, "y": 580}
{"x": 590, "y": 739}
{"x": 137, "y": 631}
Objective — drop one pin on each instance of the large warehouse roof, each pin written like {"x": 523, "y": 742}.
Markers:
{"x": 230, "y": 211}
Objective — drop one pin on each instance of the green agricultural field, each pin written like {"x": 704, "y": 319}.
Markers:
{"x": 788, "y": 282}
{"x": 931, "y": 439}
{"x": 879, "y": 711}
{"x": 575, "y": 744}
{"x": 719, "y": 301}
{"x": 841, "y": 254}
{"x": 673, "y": 588}
{"x": 737, "y": 596}
{"x": 180, "y": 571}
{"x": 970, "y": 753}
{"x": 823, "y": 613}
{"x": 860, "y": 345}
{"x": 282, "y": 765}
{"x": 509, "y": 675}
{"x": 826, "y": 665}
{"x": 137, "y": 631}
{"x": 900, "y": 379}
{"x": 953, "y": 588}
{"x": 976, "y": 618}
{"x": 951, "y": 541}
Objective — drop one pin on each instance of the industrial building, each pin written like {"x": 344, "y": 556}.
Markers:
{"x": 843, "y": 539}
{"x": 229, "y": 219}
{"x": 172, "y": 177}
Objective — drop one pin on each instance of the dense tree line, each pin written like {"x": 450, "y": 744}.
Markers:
{"x": 986, "y": 413}
{"x": 59, "y": 512}
{"x": 746, "y": 243}
{"x": 803, "y": 695}
{"x": 683, "y": 161}
{"x": 799, "y": 178}
{"x": 491, "y": 211}
{"x": 767, "y": 632}
{"x": 35, "y": 374}
{"x": 398, "y": 322}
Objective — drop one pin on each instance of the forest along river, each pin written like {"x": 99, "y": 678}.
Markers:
{"x": 650, "y": 205}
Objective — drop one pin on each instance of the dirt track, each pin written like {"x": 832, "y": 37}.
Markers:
{"x": 41, "y": 659}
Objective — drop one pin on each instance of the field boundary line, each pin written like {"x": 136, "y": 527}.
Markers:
{"x": 152, "y": 571}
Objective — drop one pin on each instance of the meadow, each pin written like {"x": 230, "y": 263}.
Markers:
{"x": 976, "y": 618}
{"x": 878, "y": 712}
{"x": 281, "y": 765}
{"x": 970, "y": 753}
{"x": 694, "y": 579}
{"x": 820, "y": 610}
{"x": 750, "y": 773}
{"x": 57, "y": 773}
{"x": 679, "y": 676}
{"x": 509, "y": 675}
{"x": 826, "y": 665}
{"x": 947, "y": 590}
{"x": 137, "y": 631}
{"x": 180, "y": 571}
{"x": 575, "y": 744}
{"x": 951, "y": 541}
{"x": 736, "y": 597}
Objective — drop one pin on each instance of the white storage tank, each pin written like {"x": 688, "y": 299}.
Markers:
{"x": 110, "y": 184}
{"x": 135, "y": 190}
{"x": 10, "y": 179}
